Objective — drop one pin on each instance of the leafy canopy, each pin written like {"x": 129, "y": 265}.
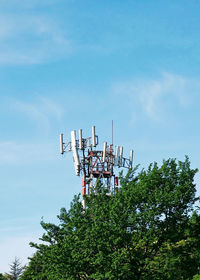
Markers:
{"x": 149, "y": 230}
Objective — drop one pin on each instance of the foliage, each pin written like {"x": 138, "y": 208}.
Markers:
{"x": 2, "y": 277}
{"x": 149, "y": 230}
{"x": 196, "y": 277}
{"x": 16, "y": 270}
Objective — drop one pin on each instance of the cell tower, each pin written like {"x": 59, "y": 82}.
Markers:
{"x": 93, "y": 164}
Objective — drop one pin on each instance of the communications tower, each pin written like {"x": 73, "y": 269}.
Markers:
{"x": 94, "y": 164}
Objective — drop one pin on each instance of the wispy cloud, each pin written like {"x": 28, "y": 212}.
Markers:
{"x": 43, "y": 115}
{"x": 30, "y": 39}
{"x": 154, "y": 97}
{"x": 42, "y": 111}
{"x": 12, "y": 153}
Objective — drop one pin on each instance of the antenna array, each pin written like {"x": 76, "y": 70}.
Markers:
{"x": 95, "y": 164}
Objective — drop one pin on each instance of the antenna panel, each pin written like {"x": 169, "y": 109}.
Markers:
{"x": 75, "y": 153}
{"x": 80, "y": 139}
{"x": 120, "y": 155}
{"x": 61, "y": 144}
{"x": 117, "y": 156}
{"x": 131, "y": 158}
{"x": 93, "y": 137}
{"x": 104, "y": 151}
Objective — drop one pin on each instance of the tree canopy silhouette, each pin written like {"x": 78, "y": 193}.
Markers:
{"x": 149, "y": 230}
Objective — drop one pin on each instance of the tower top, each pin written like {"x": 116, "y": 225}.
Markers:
{"x": 94, "y": 164}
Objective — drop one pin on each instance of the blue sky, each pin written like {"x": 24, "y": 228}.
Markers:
{"x": 70, "y": 64}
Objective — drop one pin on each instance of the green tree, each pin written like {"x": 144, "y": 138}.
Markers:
{"x": 196, "y": 277}
{"x": 149, "y": 230}
{"x": 16, "y": 270}
{"x": 2, "y": 277}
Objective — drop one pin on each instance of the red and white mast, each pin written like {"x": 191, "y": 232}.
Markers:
{"x": 95, "y": 165}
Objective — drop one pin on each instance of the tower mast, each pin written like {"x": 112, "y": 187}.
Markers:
{"x": 94, "y": 164}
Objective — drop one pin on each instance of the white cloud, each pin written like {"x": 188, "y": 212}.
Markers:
{"x": 153, "y": 97}
{"x": 41, "y": 112}
{"x": 30, "y": 39}
{"x": 52, "y": 107}
{"x": 12, "y": 153}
